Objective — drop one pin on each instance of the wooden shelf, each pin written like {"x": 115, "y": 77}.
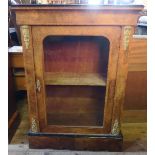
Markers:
{"x": 18, "y": 72}
{"x": 74, "y": 79}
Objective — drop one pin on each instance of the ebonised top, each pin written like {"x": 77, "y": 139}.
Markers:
{"x": 76, "y": 6}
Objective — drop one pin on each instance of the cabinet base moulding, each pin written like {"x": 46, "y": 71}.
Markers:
{"x": 81, "y": 142}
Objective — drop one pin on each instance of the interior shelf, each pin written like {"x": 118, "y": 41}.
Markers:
{"x": 18, "y": 72}
{"x": 87, "y": 79}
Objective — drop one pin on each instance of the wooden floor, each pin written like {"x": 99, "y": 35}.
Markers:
{"x": 24, "y": 150}
{"x": 135, "y": 137}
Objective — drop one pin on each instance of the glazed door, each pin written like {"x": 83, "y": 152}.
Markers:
{"x": 75, "y": 71}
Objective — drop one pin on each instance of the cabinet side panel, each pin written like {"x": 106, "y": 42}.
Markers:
{"x": 122, "y": 71}
{"x": 30, "y": 76}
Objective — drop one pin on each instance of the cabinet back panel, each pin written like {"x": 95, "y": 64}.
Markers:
{"x": 75, "y": 91}
{"x": 76, "y": 54}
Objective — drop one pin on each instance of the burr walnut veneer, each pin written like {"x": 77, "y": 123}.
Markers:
{"x": 76, "y": 68}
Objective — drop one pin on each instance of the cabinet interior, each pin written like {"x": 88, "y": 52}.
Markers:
{"x": 75, "y": 73}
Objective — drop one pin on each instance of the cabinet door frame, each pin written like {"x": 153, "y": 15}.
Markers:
{"x": 113, "y": 33}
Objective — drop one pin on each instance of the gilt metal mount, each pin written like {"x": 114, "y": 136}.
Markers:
{"x": 127, "y": 34}
{"x": 34, "y": 126}
{"x": 26, "y": 35}
{"x": 116, "y": 128}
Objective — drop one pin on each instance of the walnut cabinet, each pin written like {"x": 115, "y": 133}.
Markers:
{"x": 75, "y": 60}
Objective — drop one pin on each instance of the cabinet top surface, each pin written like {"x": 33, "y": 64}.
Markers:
{"x": 77, "y": 7}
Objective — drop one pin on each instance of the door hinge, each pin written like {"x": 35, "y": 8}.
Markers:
{"x": 38, "y": 85}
